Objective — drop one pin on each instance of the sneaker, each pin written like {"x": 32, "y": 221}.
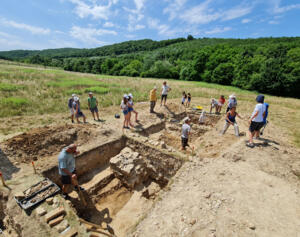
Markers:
{"x": 81, "y": 188}
{"x": 248, "y": 144}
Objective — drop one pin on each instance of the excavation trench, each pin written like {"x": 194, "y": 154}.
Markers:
{"x": 122, "y": 178}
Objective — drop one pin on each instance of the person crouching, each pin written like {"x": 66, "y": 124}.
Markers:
{"x": 230, "y": 120}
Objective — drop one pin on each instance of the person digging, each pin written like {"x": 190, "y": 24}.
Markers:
{"x": 67, "y": 169}
{"x": 93, "y": 106}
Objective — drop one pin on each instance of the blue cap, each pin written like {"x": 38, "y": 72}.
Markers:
{"x": 260, "y": 98}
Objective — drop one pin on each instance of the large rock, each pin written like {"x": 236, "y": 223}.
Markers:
{"x": 129, "y": 166}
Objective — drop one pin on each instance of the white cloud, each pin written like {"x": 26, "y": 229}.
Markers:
{"x": 139, "y": 4}
{"x": 277, "y": 9}
{"x": 272, "y": 22}
{"x": 245, "y": 21}
{"x": 32, "y": 29}
{"x": 204, "y": 13}
{"x": 86, "y": 8}
{"x": 236, "y": 12}
{"x": 108, "y": 24}
{"x": 89, "y": 35}
{"x": 217, "y": 30}
{"x": 162, "y": 29}
{"x": 173, "y": 8}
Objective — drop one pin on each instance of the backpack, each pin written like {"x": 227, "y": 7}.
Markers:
{"x": 70, "y": 103}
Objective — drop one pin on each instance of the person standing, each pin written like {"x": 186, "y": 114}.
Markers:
{"x": 189, "y": 99}
{"x": 67, "y": 169}
{"x": 153, "y": 99}
{"x": 256, "y": 120}
{"x": 70, "y": 105}
{"x": 131, "y": 109}
{"x": 184, "y": 97}
{"x": 93, "y": 106}
{"x": 221, "y": 103}
{"x": 185, "y": 133}
{"x": 78, "y": 112}
{"x": 124, "y": 108}
{"x": 164, "y": 93}
{"x": 230, "y": 120}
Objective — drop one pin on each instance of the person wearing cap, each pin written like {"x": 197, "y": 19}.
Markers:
{"x": 78, "y": 112}
{"x": 153, "y": 99}
{"x": 232, "y": 102}
{"x": 256, "y": 119}
{"x": 131, "y": 109}
{"x": 164, "y": 93}
{"x": 93, "y": 105}
{"x": 213, "y": 104}
{"x": 185, "y": 133}
{"x": 67, "y": 169}
{"x": 70, "y": 105}
{"x": 124, "y": 107}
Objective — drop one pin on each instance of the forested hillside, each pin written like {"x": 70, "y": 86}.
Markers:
{"x": 268, "y": 65}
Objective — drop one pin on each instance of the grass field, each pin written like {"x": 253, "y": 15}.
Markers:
{"x": 26, "y": 90}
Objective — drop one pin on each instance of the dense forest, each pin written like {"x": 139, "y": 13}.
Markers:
{"x": 268, "y": 65}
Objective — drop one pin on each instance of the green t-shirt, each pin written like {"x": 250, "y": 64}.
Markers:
{"x": 93, "y": 102}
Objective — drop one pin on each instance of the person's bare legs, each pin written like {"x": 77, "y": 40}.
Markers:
{"x": 210, "y": 109}
{"x": 84, "y": 119}
{"x": 97, "y": 114}
{"x": 251, "y": 134}
{"x": 129, "y": 119}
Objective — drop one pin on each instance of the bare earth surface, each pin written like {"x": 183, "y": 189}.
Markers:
{"x": 226, "y": 189}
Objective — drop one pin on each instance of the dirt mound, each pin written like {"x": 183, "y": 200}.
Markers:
{"x": 44, "y": 141}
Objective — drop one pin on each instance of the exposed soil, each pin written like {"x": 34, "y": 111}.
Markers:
{"x": 42, "y": 142}
{"x": 225, "y": 189}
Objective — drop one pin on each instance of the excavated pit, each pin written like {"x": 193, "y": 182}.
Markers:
{"x": 123, "y": 177}
{"x": 171, "y": 132}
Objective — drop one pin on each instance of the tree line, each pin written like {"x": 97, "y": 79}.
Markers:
{"x": 267, "y": 65}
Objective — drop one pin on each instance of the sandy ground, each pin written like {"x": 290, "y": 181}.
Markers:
{"x": 226, "y": 189}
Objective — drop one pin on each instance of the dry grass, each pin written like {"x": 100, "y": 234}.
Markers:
{"x": 30, "y": 91}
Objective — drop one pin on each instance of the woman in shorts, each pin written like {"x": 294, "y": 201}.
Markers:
{"x": 78, "y": 112}
{"x": 124, "y": 107}
{"x": 131, "y": 109}
{"x": 189, "y": 99}
{"x": 184, "y": 96}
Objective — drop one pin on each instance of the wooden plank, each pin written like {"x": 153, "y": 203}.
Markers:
{"x": 56, "y": 221}
{"x": 55, "y": 213}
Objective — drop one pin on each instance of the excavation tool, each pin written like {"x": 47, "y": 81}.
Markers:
{"x": 97, "y": 227}
{"x": 82, "y": 199}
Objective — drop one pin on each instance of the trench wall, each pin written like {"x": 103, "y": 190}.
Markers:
{"x": 88, "y": 160}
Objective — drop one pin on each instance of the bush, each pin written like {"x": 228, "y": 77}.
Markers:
{"x": 223, "y": 74}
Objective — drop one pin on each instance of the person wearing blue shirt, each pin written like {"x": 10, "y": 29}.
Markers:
{"x": 67, "y": 169}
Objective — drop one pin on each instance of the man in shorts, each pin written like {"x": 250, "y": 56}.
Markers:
{"x": 164, "y": 93}
{"x": 256, "y": 120}
{"x": 185, "y": 132}
{"x": 93, "y": 106}
{"x": 70, "y": 105}
{"x": 66, "y": 168}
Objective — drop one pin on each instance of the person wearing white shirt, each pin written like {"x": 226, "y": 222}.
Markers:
{"x": 164, "y": 93}
{"x": 256, "y": 121}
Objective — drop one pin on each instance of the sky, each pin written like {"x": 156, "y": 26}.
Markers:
{"x": 42, "y": 24}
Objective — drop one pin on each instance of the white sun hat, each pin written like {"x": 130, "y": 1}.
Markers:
{"x": 76, "y": 99}
{"x": 232, "y": 96}
{"x": 73, "y": 95}
{"x": 130, "y": 95}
